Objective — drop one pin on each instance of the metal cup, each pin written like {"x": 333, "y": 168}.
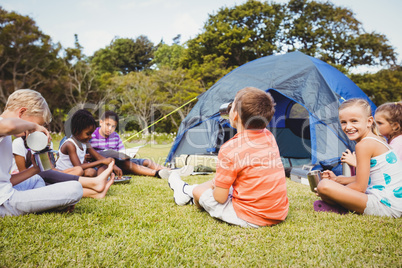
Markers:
{"x": 225, "y": 109}
{"x": 314, "y": 178}
{"x": 37, "y": 141}
{"x": 346, "y": 170}
{"x": 46, "y": 159}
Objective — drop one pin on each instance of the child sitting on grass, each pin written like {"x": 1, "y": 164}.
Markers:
{"x": 25, "y": 112}
{"x": 377, "y": 187}
{"x": 249, "y": 188}
{"x": 72, "y": 151}
{"x": 388, "y": 118}
{"x": 23, "y": 158}
{"x": 106, "y": 138}
{"x": 95, "y": 187}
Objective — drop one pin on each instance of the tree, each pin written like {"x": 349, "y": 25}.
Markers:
{"x": 206, "y": 73}
{"x": 136, "y": 93}
{"x": 81, "y": 81}
{"x": 168, "y": 56}
{"x": 383, "y": 86}
{"x": 334, "y": 35}
{"x": 239, "y": 34}
{"x": 210, "y": 70}
{"x": 125, "y": 55}
{"x": 28, "y": 59}
{"x": 255, "y": 29}
{"x": 175, "y": 88}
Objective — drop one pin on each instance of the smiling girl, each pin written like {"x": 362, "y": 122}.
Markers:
{"x": 377, "y": 187}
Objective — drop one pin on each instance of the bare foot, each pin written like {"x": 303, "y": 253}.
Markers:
{"x": 98, "y": 183}
{"x": 105, "y": 174}
{"x": 107, "y": 186}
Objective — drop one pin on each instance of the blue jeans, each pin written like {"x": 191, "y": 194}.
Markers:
{"x": 33, "y": 182}
{"x": 56, "y": 196}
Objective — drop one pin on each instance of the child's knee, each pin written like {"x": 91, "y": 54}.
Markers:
{"x": 90, "y": 172}
{"x": 76, "y": 190}
{"x": 78, "y": 171}
{"x": 197, "y": 192}
{"x": 324, "y": 186}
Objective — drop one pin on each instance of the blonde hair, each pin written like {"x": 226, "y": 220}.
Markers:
{"x": 393, "y": 114}
{"x": 32, "y": 100}
{"x": 365, "y": 106}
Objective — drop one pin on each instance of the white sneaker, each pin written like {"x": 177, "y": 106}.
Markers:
{"x": 186, "y": 170}
{"x": 164, "y": 173}
{"x": 177, "y": 185}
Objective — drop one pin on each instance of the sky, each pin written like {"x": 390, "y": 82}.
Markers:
{"x": 97, "y": 22}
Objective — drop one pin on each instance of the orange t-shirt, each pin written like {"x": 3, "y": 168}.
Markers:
{"x": 250, "y": 162}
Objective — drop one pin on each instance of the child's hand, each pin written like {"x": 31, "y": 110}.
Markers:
{"x": 34, "y": 165}
{"x": 107, "y": 161}
{"x": 89, "y": 158}
{"x": 349, "y": 158}
{"x": 117, "y": 171}
{"x": 44, "y": 130}
{"x": 328, "y": 174}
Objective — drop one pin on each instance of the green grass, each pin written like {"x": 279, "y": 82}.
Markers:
{"x": 139, "y": 225}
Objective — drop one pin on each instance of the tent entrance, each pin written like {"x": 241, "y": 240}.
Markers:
{"x": 291, "y": 128}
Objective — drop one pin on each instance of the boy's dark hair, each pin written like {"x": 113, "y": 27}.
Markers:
{"x": 255, "y": 107}
{"x": 81, "y": 120}
{"x": 110, "y": 114}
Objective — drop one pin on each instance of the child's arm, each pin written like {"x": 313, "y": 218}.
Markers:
{"x": 99, "y": 157}
{"x": 69, "y": 148}
{"x": 105, "y": 161}
{"x": 220, "y": 194}
{"x": 328, "y": 174}
{"x": 22, "y": 156}
{"x": 23, "y": 175}
{"x": 364, "y": 152}
{"x": 14, "y": 126}
{"x": 20, "y": 162}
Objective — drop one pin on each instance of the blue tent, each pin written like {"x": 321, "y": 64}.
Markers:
{"x": 307, "y": 93}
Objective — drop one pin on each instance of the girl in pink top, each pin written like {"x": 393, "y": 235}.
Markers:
{"x": 388, "y": 117}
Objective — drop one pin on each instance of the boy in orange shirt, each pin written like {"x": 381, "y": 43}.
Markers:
{"x": 249, "y": 188}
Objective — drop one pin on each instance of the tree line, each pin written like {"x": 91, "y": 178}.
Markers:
{"x": 144, "y": 81}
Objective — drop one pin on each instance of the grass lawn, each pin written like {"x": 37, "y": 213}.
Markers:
{"x": 139, "y": 225}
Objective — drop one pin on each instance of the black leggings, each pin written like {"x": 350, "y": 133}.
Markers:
{"x": 52, "y": 176}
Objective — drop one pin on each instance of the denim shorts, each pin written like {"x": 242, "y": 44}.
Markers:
{"x": 137, "y": 161}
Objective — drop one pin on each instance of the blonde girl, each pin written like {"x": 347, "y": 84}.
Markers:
{"x": 388, "y": 118}
{"x": 377, "y": 187}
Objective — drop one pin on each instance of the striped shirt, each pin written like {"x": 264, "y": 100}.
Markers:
{"x": 100, "y": 143}
{"x": 251, "y": 164}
